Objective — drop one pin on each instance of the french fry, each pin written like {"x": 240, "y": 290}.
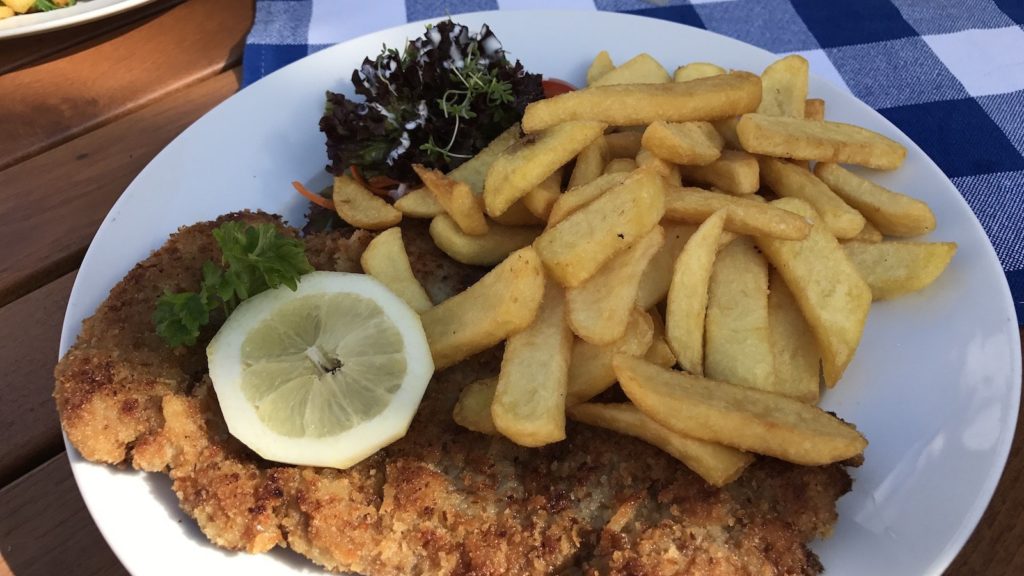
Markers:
{"x": 590, "y": 163}
{"x": 784, "y": 87}
{"x": 737, "y": 340}
{"x": 717, "y": 464}
{"x": 541, "y": 199}
{"x": 623, "y": 144}
{"x": 814, "y": 109}
{"x": 744, "y": 418}
{"x": 894, "y": 214}
{"x": 797, "y": 362}
{"x": 599, "y": 309}
{"x": 7, "y": 11}
{"x": 829, "y": 290}
{"x": 867, "y": 234}
{"x": 473, "y": 409}
{"x": 474, "y": 171}
{"x": 687, "y": 143}
{"x": 500, "y": 304}
{"x": 802, "y": 139}
{"x": 697, "y": 70}
{"x": 386, "y": 260}
{"x": 485, "y": 250}
{"x": 601, "y": 65}
{"x": 744, "y": 214}
{"x": 617, "y": 165}
{"x": 659, "y": 353}
{"x": 419, "y": 203}
{"x": 735, "y": 172}
{"x": 657, "y": 276}
{"x": 726, "y": 127}
{"x": 640, "y": 104}
{"x": 575, "y": 249}
{"x": 641, "y": 69}
{"x": 529, "y": 403}
{"x": 362, "y": 208}
{"x": 456, "y": 198}
{"x": 789, "y": 180}
{"x": 19, "y": 6}
{"x": 590, "y": 370}
{"x": 519, "y": 215}
{"x": 669, "y": 171}
{"x": 892, "y": 269}
{"x": 526, "y": 164}
{"x": 688, "y": 294}
{"x": 575, "y": 198}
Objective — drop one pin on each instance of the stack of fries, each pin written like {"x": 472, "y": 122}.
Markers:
{"x": 651, "y": 222}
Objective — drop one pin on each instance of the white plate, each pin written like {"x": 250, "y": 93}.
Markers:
{"x": 82, "y": 12}
{"x": 935, "y": 385}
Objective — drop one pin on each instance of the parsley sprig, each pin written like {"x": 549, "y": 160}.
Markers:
{"x": 253, "y": 259}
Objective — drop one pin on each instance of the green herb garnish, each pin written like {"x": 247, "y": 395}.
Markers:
{"x": 47, "y": 5}
{"x": 253, "y": 259}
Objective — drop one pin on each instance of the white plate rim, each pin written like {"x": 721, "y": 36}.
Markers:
{"x": 80, "y": 13}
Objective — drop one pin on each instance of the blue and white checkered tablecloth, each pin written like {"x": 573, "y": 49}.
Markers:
{"x": 949, "y": 73}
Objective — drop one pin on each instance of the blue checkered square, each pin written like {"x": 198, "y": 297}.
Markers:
{"x": 633, "y": 5}
{"x": 895, "y": 73}
{"x": 999, "y": 204}
{"x": 423, "y": 9}
{"x": 958, "y": 135}
{"x": 1012, "y": 8}
{"x": 681, "y": 14}
{"x": 944, "y": 16}
{"x": 262, "y": 59}
{"x": 281, "y": 22}
{"x": 1008, "y": 112}
{"x": 1016, "y": 281}
{"x": 770, "y": 24}
{"x": 853, "y": 22}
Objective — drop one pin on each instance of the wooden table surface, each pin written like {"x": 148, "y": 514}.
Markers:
{"x": 83, "y": 111}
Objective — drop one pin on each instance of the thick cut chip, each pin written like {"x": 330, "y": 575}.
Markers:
{"x": 386, "y": 260}
{"x": 659, "y": 353}
{"x": 640, "y": 104}
{"x": 474, "y": 171}
{"x": 519, "y": 215}
{"x": 688, "y": 294}
{"x": 419, "y": 203}
{"x": 735, "y": 172}
{"x": 456, "y": 198}
{"x": 797, "y": 361}
{"x": 486, "y": 250}
{"x": 618, "y": 165}
{"x": 737, "y": 341}
{"x": 575, "y": 198}
{"x": 867, "y": 234}
{"x": 893, "y": 269}
{"x": 598, "y": 309}
{"x": 784, "y": 87}
{"x": 601, "y": 65}
{"x": 697, "y": 70}
{"x": 791, "y": 181}
{"x": 623, "y": 144}
{"x": 814, "y": 109}
{"x": 669, "y": 171}
{"x": 473, "y": 409}
{"x": 590, "y": 163}
{"x": 744, "y": 418}
{"x": 541, "y": 199}
{"x": 727, "y": 129}
{"x": 362, "y": 208}
{"x": 831, "y": 294}
{"x": 527, "y": 163}
{"x": 687, "y": 143}
{"x": 717, "y": 464}
{"x": 590, "y": 370}
{"x": 529, "y": 404}
{"x": 575, "y": 249}
{"x": 657, "y": 276}
{"x": 744, "y": 214}
{"x": 803, "y": 139}
{"x": 894, "y": 214}
{"x": 500, "y": 304}
{"x": 641, "y": 69}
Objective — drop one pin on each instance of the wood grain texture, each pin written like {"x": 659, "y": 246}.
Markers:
{"x": 30, "y": 328}
{"x": 53, "y": 203}
{"x": 45, "y": 529}
{"x": 186, "y": 44}
{"x": 21, "y": 52}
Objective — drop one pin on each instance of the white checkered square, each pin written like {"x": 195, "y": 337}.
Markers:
{"x": 985, "y": 61}
{"x": 546, "y": 5}
{"x": 822, "y": 67}
{"x": 334, "y": 22}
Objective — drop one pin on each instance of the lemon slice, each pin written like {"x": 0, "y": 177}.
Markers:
{"x": 325, "y": 375}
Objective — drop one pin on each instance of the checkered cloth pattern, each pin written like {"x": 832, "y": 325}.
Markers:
{"x": 949, "y": 73}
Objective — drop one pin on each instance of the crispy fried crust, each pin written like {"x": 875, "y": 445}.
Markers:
{"x": 442, "y": 500}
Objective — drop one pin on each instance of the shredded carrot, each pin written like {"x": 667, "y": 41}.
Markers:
{"x": 358, "y": 176}
{"x": 314, "y": 198}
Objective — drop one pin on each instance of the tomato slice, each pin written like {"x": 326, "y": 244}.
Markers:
{"x": 554, "y": 87}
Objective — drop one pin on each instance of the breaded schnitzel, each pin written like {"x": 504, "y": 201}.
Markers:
{"x": 443, "y": 500}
